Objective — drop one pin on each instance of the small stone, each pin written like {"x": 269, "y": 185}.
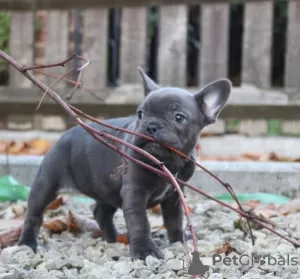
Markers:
{"x": 152, "y": 262}
{"x": 241, "y": 246}
{"x": 165, "y": 275}
{"x": 70, "y": 273}
{"x": 41, "y": 274}
{"x": 175, "y": 264}
{"x": 215, "y": 276}
{"x": 138, "y": 264}
{"x": 168, "y": 254}
{"x": 57, "y": 274}
{"x": 284, "y": 248}
{"x": 145, "y": 273}
{"x": 75, "y": 261}
{"x": 8, "y": 254}
{"x": 123, "y": 267}
{"x": 8, "y": 275}
{"x": 42, "y": 265}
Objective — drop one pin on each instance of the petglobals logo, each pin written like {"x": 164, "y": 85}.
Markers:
{"x": 252, "y": 260}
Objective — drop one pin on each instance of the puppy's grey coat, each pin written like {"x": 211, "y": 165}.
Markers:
{"x": 172, "y": 116}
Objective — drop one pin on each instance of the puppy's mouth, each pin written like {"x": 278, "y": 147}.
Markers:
{"x": 155, "y": 148}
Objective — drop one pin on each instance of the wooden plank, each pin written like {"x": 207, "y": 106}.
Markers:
{"x": 257, "y": 42}
{"x": 240, "y": 106}
{"x": 94, "y": 47}
{"x": 292, "y": 67}
{"x": 172, "y": 52}
{"x": 214, "y": 42}
{"x": 21, "y": 46}
{"x": 74, "y": 4}
{"x": 56, "y": 47}
{"x": 133, "y": 43}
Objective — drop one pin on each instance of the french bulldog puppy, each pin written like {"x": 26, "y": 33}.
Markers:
{"x": 172, "y": 116}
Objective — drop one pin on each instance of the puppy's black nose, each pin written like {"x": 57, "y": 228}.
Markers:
{"x": 152, "y": 128}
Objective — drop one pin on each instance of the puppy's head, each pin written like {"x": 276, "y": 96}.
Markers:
{"x": 174, "y": 116}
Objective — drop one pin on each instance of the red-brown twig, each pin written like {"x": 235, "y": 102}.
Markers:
{"x": 80, "y": 84}
{"x": 51, "y": 85}
{"x": 60, "y": 64}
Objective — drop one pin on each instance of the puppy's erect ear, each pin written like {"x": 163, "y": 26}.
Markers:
{"x": 212, "y": 98}
{"x": 149, "y": 84}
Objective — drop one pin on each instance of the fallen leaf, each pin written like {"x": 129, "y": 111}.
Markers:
{"x": 123, "y": 238}
{"x": 290, "y": 208}
{"x": 56, "y": 204}
{"x": 56, "y": 225}
{"x": 251, "y": 156}
{"x": 266, "y": 213}
{"x": 225, "y": 248}
{"x": 40, "y": 144}
{"x": 39, "y": 147}
{"x": 156, "y": 209}
{"x": 78, "y": 223}
{"x": 18, "y": 148}
{"x": 4, "y": 146}
{"x": 18, "y": 210}
{"x": 10, "y": 231}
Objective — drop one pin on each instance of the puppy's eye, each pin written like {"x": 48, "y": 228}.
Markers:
{"x": 140, "y": 114}
{"x": 179, "y": 118}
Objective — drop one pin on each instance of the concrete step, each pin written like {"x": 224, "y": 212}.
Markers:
{"x": 250, "y": 177}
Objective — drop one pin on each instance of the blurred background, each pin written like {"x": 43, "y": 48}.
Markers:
{"x": 256, "y": 44}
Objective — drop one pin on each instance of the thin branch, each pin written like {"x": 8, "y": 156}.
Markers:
{"x": 80, "y": 85}
{"x": 60, "y": 64}
{"x": 51, "y": 85}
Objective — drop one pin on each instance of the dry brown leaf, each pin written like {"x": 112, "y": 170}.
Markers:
{"x": 225, "y": 248}
{"x": 56, "y": 204}
{"x": 290, "y": 208}
{"x": 156, "y": 209}
{"x": 123, "y": 238}
{"x": 4, "y": 146}
{"x": 78, "y": 223}
{"x": 18, "y": 210}
{"x": 56, "y": 225}
{"x": 10, "y": 231}
{"x": 266, "y": 213}
{"x": 251, "y": 156}
{"x": 18, "y": 148}
{"x": 39, "y": 147}
{"x": 40, "y": 144}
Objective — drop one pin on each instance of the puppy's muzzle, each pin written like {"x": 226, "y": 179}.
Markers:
{"x": 152, "y": 128}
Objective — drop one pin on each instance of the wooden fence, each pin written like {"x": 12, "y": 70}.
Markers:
{"x": 254, "y": 99}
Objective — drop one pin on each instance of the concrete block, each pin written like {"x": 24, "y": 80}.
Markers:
{"x": 53, "y": 123}
{"x": 19, "y": 122}
{"x": 253, "y": 127}
{"x": 290, "y": 127}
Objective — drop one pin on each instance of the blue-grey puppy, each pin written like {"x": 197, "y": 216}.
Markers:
{"x": 172, "y": 116}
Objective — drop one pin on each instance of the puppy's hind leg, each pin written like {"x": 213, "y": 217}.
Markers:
{"x": 42, "y": 193}
{"x": 104, "y": 215}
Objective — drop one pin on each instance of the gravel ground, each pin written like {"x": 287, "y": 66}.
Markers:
{"x": 68, "y": 255}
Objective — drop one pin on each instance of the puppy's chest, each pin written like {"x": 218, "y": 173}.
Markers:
{"x": 160, "y": 194}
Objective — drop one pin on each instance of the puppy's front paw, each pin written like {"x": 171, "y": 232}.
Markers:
{"x": 142, "y": 248}
{"x": 32, "y": 243}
